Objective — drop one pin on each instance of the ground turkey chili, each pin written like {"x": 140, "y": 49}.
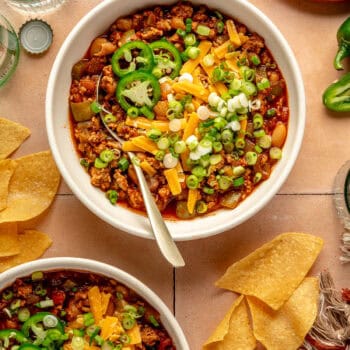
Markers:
{"x": 198, "y": 98}
{"x": 77, "y": 311}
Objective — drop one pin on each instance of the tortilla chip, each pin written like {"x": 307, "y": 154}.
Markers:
{"x": 9, "y": 244}
{"x": 11, "y": 136}
{"x": 32, "y": 188}
{"x": 273, "y": 271}
{"x": 234, "y": 331}
{"x": 33, "y": 244}
{"x": 287, "y": 327}
{"x": 7, "y": 168}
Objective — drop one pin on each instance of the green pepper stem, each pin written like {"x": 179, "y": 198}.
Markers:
{"x": 343, "y": 51}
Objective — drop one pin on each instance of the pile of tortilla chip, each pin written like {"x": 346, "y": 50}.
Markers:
{"x": 27, "y": 187}
{"x": 278, "y": 303}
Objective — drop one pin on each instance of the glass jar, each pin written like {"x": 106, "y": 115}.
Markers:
{"x": 9, "y": 50}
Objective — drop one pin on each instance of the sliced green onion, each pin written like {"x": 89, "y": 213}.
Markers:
{"x": 258, "y": 121}
{"x": 7, "y": 294}
{"x": 192, "y": 182}
{"x": 37, "y": 276}
{"x": 220, "y": 123}
{"x": 255, "y": 60}
{"x": 264, "y": 141}
{"x": 208, "y": 60}
{"x": 100, "y": 164}
{"x": 259, "y": 133}
{"x": 45, "y": 303}
{"x": 23, "y": 314}
{"x": 163, "y": 143}
{"x": 173, "y": 138}
{"x": 181, "y": 32}
{"x": 263, "y": 84}
{"x": 159, "y": 155}
{"x": 92, "y": 331}
{"x": 271, "y": 112}
{"x": 217, "y": 146}
{"x": 124, "y": 338}
{"x": 238, "y": 182}
{"x": 147, "y": 112}
{"x": 190, "y": 40}
{"x": 77, "y": 343}
{"x": 123, "y": 164}
{"x": 39, "y": 290}
{"x": 193, "y": 52}
{"x": 157, "y": 72}
{"x": 248, "y": 88}
{"x": 109, "y": 118}
{"x": 218, "y": 15}
{"x": 199, "y": 171}
{"x": 224, "y": 182}
{"x": 204, "y": 161}
{"x": 180, "y": 146}
{"x": 188, "y": 24}
{"x": 251, "y": 158}
{"x": 128, "y": 322}
{"x": 15, "y": 304}
{"x": 176, "y": 106}
{"x": 170, "y": 161}
{"x": 218, "y": 74}
{"x": 95, "y": 107}
{"x": 257, "y": 177}
{"x": 249, "y": 74}
{"x": 154, "y": 134}
{"x": 208, "y": 190}
{"x": 112, "y": 195}
{"x": 99, "y": 340}
{"x": 203, "y": 30}
{"x": 153, "y": 321}
{"x": 107, "y": 155}
{"x": 258, "y": 149}
{"x": 240, "y": 143}
{"x": 238, "y": 170}
{"x": 220, "y": 26}
{"x": 275, "y": 153}
{"x": 192, "y": 142}
{"x": 50, "y": 321}
{"x": 226, "y": 136}
{"x": 201, "y": 207}
{"x": 136, "y": 160}
{"x": 215, "y": 159}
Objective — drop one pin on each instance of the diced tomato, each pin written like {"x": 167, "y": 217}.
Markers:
{"x": 58, "y": 297}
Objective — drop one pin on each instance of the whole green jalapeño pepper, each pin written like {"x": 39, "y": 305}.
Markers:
{"x": 343, "y": 37}
{"x": 337, "y": 95}
{"x": 125, "y": 60}
{"x": 167, "y": 58}
{"x": 138, "y": 90}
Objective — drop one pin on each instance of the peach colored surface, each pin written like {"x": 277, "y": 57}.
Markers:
{"x": 304, "y": 203}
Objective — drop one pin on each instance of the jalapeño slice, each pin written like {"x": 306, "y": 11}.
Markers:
{"x": 167, "y": 58}
{"x": 132, "y": 56}
{"x": 138, "y": 89}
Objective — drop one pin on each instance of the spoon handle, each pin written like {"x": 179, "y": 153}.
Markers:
{"x": 164, "y": 240}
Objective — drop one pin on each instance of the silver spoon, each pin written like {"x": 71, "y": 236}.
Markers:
{"x": 161, "y": 233}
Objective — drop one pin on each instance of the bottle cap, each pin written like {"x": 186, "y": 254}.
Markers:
{"x": 35, "y": 36}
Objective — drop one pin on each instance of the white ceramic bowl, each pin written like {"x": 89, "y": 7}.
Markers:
{"x": 78, "y": 264}
{"x": 74, "y": 47}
